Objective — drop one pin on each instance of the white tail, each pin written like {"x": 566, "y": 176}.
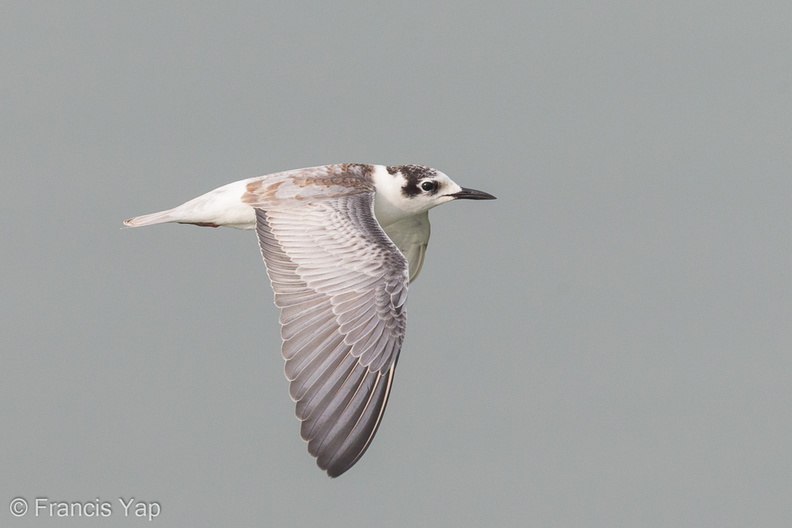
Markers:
{"x": 221, "y": 207}
{"x": 149, "y": 219}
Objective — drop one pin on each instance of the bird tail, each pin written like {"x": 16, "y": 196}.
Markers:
{"x": 150, "y": 219}
{"x": 213, "y": 209}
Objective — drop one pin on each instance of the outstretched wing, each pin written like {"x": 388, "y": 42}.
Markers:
{"x": 341, "y": 285}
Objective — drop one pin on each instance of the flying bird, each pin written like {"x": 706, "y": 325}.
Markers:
{"x": 341, "y": 243}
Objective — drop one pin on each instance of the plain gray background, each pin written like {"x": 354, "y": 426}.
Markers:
{"x": 608, "y": 344}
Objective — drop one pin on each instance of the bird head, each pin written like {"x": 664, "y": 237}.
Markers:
{"x": 407, "y": 190}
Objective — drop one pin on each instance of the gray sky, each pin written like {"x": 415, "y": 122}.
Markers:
{"x": 608, "y": 344}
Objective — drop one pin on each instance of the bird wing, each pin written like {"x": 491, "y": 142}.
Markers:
{"x": 341, "y": 285}
{"x": 411, "y": 236}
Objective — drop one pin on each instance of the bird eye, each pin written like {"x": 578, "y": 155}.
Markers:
{"x": 429, "y": 186}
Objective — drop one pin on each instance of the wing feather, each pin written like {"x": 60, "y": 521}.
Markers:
{"x": 320, "y": 372}
{"x": 341, "y": 285}
{"x": 332, "y": 407}
{"x": 354, "y": 445}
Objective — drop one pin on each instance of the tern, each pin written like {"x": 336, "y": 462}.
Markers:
{"x": 340, "y": 243}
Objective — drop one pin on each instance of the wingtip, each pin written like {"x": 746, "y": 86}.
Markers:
{"x": 335, "y": 470}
